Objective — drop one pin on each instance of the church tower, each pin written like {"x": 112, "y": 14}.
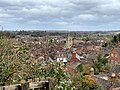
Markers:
{"x": 69, "y": 41}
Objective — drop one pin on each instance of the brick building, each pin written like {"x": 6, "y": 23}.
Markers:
{"x": 115, "y": 56}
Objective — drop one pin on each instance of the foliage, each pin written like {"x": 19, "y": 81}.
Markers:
{"x": 107, "y": 68}
{"x": 16, "y": 64}
{"x": 116, "y": 39}
{"x": 14, "y": 60}
{"x": 105, "y": 45}
{"x": 80, "y": 68}
{"x": 100, "y": 64}
{"x": 39, "y": 33}
{"x": 57, "y": 71}
{"x": 50, "y": 41}
{"x": 84, "y": 82}
{"x": 86, "y": 68}
{"x": 6, "y": 34}
{"x": 119, "y": 37}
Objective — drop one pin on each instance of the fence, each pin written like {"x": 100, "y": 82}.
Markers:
{"x": 42, "y": 85}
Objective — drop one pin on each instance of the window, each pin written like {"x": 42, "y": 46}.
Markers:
{"x": 112, "y": 55}
{"x": 116, "y": 55}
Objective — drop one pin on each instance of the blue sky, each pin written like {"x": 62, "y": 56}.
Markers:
{"x": 60, "y": 14}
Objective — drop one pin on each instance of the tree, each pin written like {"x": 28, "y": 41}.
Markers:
{"x": 105, "y": 45}
{"x": 57, "y": 71}
{"x": 14, "y": 60}
{"x": 99, "y": 64}
{"x": 84, "y": 82}
{"x": 115, "y": 38}
{"x": 80, "y": 68}
{"x": 119, "y": 37}
{"x": 50, "y": 41}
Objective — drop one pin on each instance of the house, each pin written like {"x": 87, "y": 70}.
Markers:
{"x": 72, "y": 67}
{"x": 115, "y": 56}
{"x": 75, "y": 58}
{"x": 73, "y": 62}
{"x": 61, "y": 56}
{"x": 115, "y": 69}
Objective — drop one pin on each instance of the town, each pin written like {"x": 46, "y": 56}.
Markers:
{"x": 67, "y": 60}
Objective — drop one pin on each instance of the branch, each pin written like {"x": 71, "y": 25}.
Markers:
{"x": 9, "y": 76}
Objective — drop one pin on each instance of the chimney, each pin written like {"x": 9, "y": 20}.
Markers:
{"x": 74, "y": 55}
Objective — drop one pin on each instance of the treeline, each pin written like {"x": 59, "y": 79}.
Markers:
{"x": 7, "y": 34}
{"x": 12, "y": 34}
{"x": 41, "y": 33}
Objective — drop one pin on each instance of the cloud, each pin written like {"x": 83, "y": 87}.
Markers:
{"x": 63, "y": 14}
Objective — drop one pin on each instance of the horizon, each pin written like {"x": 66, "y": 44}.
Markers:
{"x": 59, "y": 30}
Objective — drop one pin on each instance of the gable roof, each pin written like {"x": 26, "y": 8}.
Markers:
{"x": 104, "y": 83}
{"x": 117, "y": 50}
{"x": 74, "y": 65}
{"x": 115, "y": 69}
{"x": 75, "y": 58}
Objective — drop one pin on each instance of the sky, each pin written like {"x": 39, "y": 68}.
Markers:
{"x": 82, "y": 15}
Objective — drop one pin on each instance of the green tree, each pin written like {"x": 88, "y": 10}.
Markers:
{"x": 80, "y": 68}
{"x": 115, "y": 39}
{"x": 105, "y": 45}
{"x": 57, "y": 71}
{"x": 14, "y": 60}
{"x": 99, "y": 64}
{"x": 119, "y": 37}
{"x": 84, "y": 82}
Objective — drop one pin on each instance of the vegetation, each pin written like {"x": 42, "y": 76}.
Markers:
{"x": 101, "y": 65}
{"x": 6, "y": 34}
{"x": 115, "y": 39}
{"x": 16, "y": 65}
{"x": 105, "y": 45}
{"x": 82, "y": 81}
{"x": 58, "y": 73}
{"x": 14, "y": 60}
